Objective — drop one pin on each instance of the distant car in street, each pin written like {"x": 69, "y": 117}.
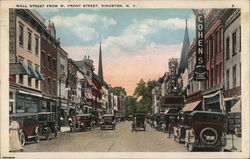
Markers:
{"x": 82, "y": 122}
{"x": 138, "y": 122}
{"x": 28, "y": 126}
{"x": 48, "y": 127}
{"x": 108, "y": 121}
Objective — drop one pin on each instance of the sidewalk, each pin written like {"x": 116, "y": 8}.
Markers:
{"x": 237, "y": 143}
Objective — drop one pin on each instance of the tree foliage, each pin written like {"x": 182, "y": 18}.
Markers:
{"x": 130, "y": 104}
{"x": 120, "y": 90}
{"x": 143, "y": 90}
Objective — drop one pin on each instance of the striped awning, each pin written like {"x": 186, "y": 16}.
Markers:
{"x": 19, "y": 68}
{"x": 33, "y": 73}
{"x": 191, "y": 106}
{"x": 40, "y": 76}
{"x": 237, "y": 106}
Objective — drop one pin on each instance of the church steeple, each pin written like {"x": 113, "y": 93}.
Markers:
{"x": 100, "y": 71}
{"x": 184, "y": 60}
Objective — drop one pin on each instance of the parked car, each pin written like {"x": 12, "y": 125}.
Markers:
{"x": 81, "y": 122}
{"x": 48, "y": 128}
{"x": 202, "y": 129}
{"x": 28, "y": 126}
{"x": 138, "y": 122}
{"x": 108, "y": 121}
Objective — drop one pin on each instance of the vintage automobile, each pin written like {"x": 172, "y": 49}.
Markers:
{"x": 202, "y": 129}
{"x": 160, "y": 121}
{"x": 108, "y": 121}
{"x": 48, "y": 127}
{"x": 28, "y": 126}
{"x": 81, "y": 122}
{"x": 138, "y": 122}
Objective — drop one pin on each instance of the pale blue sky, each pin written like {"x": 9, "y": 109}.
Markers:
{"x": 136, "y": 43}
{"x": 113, "y": 22}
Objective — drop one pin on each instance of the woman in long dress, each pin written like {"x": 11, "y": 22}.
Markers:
{"x": 14, "y": 141}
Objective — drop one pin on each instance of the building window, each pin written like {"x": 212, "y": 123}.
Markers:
{"x": 37, "y": 84}
{"x": 42, "y": 85}
{"x": 54, "y": 65}
{"x": 211, "y": 48}
{"x": 36, "y": 46}
{"x": 20, "y": 34}
{"x": 49, "y": 85}
{"x": 216, "y": 74}
{"x": 29, "y": 41}
{"x": 212, "y": 77}
{"x": 234, "y": 43}
{"x": 54, "y": 85}
{"x": 43, "y": 58}
{"x": 49, "y": 63}
{"x": 215, "y": 42}
{"x": 234, "y": 76}
{"x": 227, "y": 48}
{"x": 220, "y": 70}
{"x": 29, "y": 81}
{"x": 240, "y": 39}
{"x": 21, "y": 79}
{"x": 227, "y": 79}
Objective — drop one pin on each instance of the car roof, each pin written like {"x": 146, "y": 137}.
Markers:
{"x": 206, "y": 112}
{"x": 46, "y": 113}
{"x": 22, "y": 114}
{"x": 83, "y": 114}
{"x": 108, "y": 115}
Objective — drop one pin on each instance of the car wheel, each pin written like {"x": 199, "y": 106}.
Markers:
{"x": 37, "y": 139}
{"x": 190, "y": 147}
{"x": 56, "y": 134}
{"x": 186, "y": 144}
{"x": 22, "y": 138}
{"x": 221, "y": 149}
{"x": 47, "y": 134}
{"x": 179, "y": 139}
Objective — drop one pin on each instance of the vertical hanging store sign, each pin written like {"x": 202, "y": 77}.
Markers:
{"x": 12, "y": 35}
{"x": 200, "y": 71}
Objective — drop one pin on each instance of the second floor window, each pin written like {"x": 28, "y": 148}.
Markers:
{"x": 234, "y": 76}
{"x": 21, "y": 79}
{"x": 227, "y": 79}
{"x": 227, "y": 49}
{"x": 29, "y": 41}
{"x": 36, "y": 46}
{"x": 49, "y": 63}
{"x": 234, "y": 43}
{"x": 20, "y": 35}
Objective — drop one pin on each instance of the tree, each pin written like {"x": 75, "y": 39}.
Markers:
{"x": 144, "y": 90}
{"x": 120, "y": 90}
{"x": 130, "y": 104}
{"x": 140, "y": 88}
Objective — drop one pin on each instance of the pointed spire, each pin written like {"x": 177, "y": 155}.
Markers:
{"x": 100, "y": 71}
{"x": 184, "y": 60}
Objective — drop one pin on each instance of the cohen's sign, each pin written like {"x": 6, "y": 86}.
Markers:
{"x": 200, "y": 71}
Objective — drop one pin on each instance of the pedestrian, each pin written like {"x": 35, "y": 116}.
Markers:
{"x": 60, "y": 122}
{"x": 14, "y": 141}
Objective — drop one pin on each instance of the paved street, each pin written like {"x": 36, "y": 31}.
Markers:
{"x": 119, "y": 140}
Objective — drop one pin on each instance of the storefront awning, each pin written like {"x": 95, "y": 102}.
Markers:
{"x": 191, "y": 106}
{"x": 33, "y": 73}
{"x": 19, "y": 68}
{"x": 40, "y": 76}
{"x": 237, "y": 106}
{"x": 29, "y": 93}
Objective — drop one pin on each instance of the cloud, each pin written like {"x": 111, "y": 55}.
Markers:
{"x": 83, "y": 19}
{"x": 82, "y": 24}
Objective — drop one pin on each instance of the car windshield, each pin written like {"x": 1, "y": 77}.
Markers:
{"x": 208, "y": 118}
{"x": 82, "y": 117}
{"x": 107, "y": 118}
{"x": 45, "y": 117}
